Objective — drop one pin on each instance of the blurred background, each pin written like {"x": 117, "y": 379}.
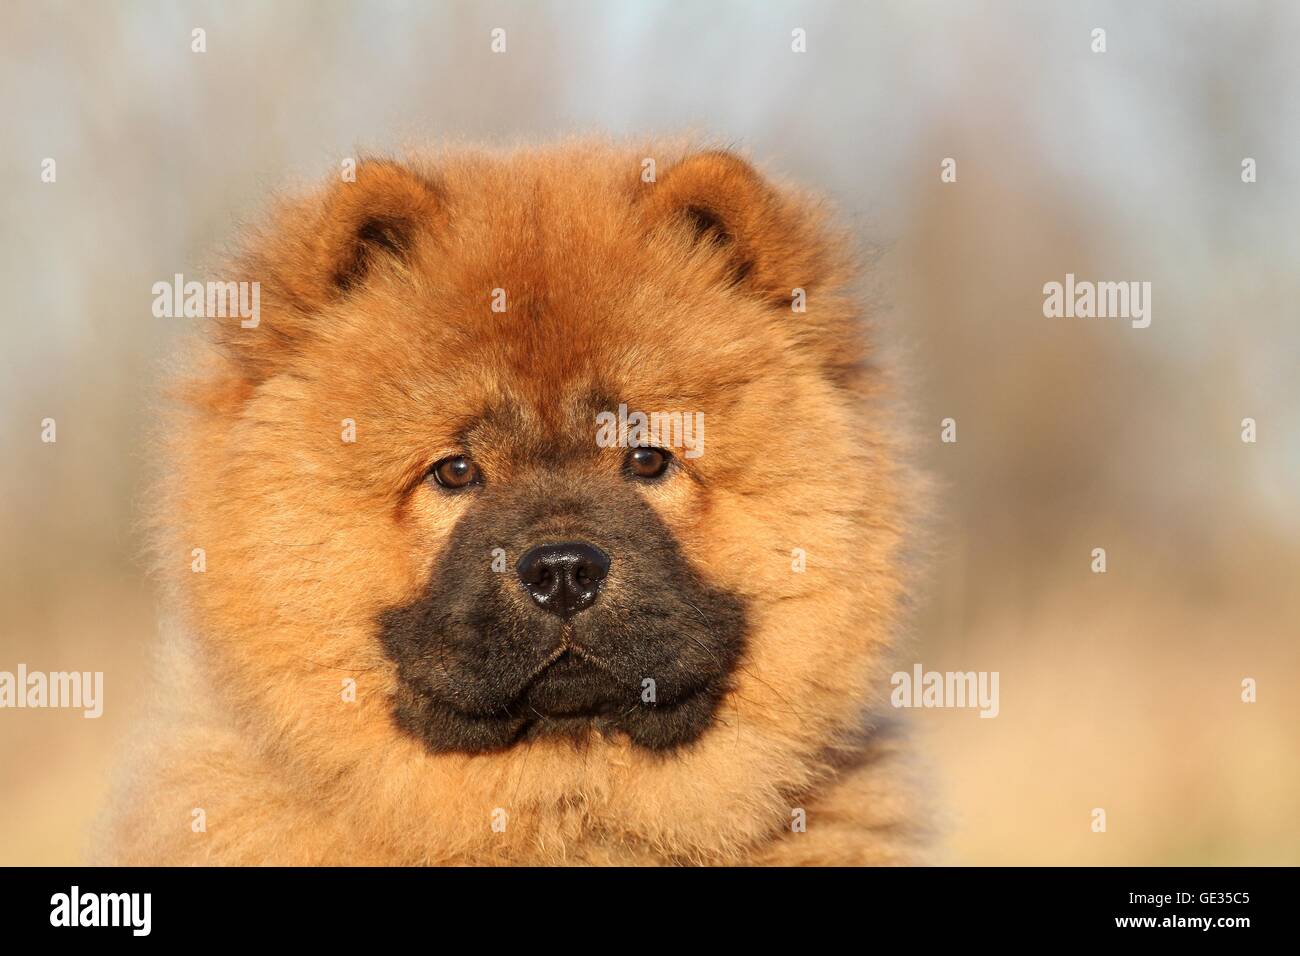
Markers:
{"x": 1118, "y": 690}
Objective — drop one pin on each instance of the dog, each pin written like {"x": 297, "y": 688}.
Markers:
{"x": 555, "y": 510}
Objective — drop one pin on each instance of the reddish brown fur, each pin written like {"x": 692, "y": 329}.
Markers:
{"x": 308, "y": 538}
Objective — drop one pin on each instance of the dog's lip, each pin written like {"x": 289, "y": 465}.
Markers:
{"x": 566, "y": 655}
{"x": 564, "y": 651}
{"x": 560, "y": 651}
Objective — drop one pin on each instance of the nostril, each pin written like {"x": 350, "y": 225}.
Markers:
{"x": 593, "y": 564}
{"x": 563, "y": 578}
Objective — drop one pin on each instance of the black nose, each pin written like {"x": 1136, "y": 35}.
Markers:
{"x": 563, "y": 578}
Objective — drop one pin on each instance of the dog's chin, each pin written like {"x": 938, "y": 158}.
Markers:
{"x": 573, "y": 697}
{"x": 574, "y": 685}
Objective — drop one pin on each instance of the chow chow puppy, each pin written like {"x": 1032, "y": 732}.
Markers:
{"x": 458, "y": 603}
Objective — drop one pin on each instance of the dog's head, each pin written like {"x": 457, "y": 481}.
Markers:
{"x": 577, "y": 442}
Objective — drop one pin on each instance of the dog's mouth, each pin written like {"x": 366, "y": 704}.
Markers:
{"x": 479, "y": 668}
{"x": 578, "y": 695}
{"x": 573, "y": 694}
{"x": 574, "y": 684}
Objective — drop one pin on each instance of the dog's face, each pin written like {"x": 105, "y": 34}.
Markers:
{"x": 422, "y": 468}
{"x": 560, "y": 600}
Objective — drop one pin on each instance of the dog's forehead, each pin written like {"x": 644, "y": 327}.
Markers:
{"x": 544, "y": 372}
{"x": 533, "y": 220}
{"x": 540, "y": 423}
{"x": 536, "y": 318}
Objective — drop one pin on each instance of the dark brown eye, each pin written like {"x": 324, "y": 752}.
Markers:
{"x": 456, "y": 472}
{"x": 647, "y": 462}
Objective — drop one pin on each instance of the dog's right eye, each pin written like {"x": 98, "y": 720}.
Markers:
{"x": 647, "y": 462}
{"x": 459, "y": 471}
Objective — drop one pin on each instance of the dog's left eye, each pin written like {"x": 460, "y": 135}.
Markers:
{"x": 646, "y": 462}
{"x": 459, "y": 471}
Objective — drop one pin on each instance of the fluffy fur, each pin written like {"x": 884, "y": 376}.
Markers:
{"x": 376, "y": 294}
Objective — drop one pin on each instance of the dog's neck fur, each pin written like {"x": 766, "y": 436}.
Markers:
{"x": 231, "y": 798}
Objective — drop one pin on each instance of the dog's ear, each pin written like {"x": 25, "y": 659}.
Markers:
{"x": 764, "y": 242}
{"x": 773, "y": 244}
{"x": 318, "y": 249}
